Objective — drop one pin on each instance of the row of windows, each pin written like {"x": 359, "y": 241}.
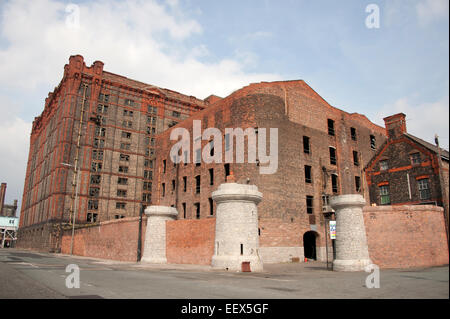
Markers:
{"x": 331, "y": 132}
{"x": 196, "y": 208}
{"x": 423, "y": 187}
{"x": 415, "y": 158}
{"x": 197, "y": 181}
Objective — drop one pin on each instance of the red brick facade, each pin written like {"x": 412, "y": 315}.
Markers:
{"x": 116, "y": 146}
{"x": 115, "y": 240}
{"x": 397, "y": 236}
{"x": 407, "y": 170}
{"x": 297, "y": 112}
{"x": 406, "y": 236}
{"x": 190, "y": 241}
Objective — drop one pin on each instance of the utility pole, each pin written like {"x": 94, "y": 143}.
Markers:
{"x": 443, "y": 188}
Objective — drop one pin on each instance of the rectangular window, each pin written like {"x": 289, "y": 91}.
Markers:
{"x": 126, "y": 134}
{"x": 330, "y": 127}
{"x": 332, "y": 156}
{"x": 227, "y": 171}
{"x": 184, "y": 183}
{"x": 102, "y": 109}
{"x": 173, "y": 185}
{"x": 373, "y": 142}
{"x": 123, "y": 169}
{"x": 355, "y": 158}
{"x": 176, "y": 114}
{"x": 198, "y": 156}
{"x": 127, "y": 113}
{"x": 120, "y": 205}
{"x": 309, "y": 204}
{"x": 122, "y": 181}
{"x": 95, "y": 179}
{"x": 197, "y": 184}
{"x": 147, "y": 197}
{"x": 197, "y": 210}
{"x": 415, "y": 159}
{"x": 227, "y": 142}
{"x": 163, "y": 189}
{"x": 125, "y": 146}
{"x": 152, "y": 109}
{"x": 334, "y": 183}
{"x": 100, "y": 131}
{"x": 147, "y": 186}
{"x": 96, "y": 167}
{"x": 211, "y": 176}
{"x": 148, "y": 174}
{"x": 306, "y": 146}
{"x": 127, "y": 124}
{"x": 424, "y": 189}
{"x": 184, "y": 210}
{"x": 94, "y": 191}
{"x": 358, "y": 183}
{"x": 103, "y": 97}
{"x": 91, "y": 217}
{"x": 353, "y": 133}
{"x": 98, "y": 143}
{"x": 129, "y": 102}
{"x": 211, "y": 206}
{"x": 124, "y": 157}
{"x": 384, "y": 165}
{"x": 97, "y": 155}
{"x": 121, "y": 193}
{"x": 93, "y": 204}
{"x": 164, "y": 166}
{"x": 385, "y": 199}
{"x": 308, "y": 176}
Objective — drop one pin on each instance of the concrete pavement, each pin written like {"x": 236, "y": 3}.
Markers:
{"x": 26, "y": 274}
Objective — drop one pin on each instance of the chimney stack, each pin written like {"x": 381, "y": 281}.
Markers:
{"x": 2, "y": 197}
{"x": 395, "y": 125}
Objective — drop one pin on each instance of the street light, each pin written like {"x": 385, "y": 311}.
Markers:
{"x": 76, "y": 201}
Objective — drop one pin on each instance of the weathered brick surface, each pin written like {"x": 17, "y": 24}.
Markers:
{"x": 48, "y": 190}
{"x": 115, "y": 240}
{"x": 190, "y": 241}
{"x": 406, "y": 236}
{"x": 296, "y": 111}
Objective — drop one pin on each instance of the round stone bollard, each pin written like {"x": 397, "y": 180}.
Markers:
{"x": 352, "y": 253}
{"x": 155, "y": 235}
{"x": 237, "y": 241}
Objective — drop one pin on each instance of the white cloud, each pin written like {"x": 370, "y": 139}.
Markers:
{"x": 13, "y": 162}
{"x": 143, "y": 40}
{"x": 422, "y": 119}
{"x": 431, "y": 10}
{"x": 140, "y": 39}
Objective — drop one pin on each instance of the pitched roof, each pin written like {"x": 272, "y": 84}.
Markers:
{"x": 431, "y": 147}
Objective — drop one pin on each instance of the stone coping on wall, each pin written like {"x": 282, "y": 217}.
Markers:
{"x": 399, "y": 208}
{"x": 107, "y": 222}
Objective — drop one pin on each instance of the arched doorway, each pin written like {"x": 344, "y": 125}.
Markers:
{"x": 309, "y": 245}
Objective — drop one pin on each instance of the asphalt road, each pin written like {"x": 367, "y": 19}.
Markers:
{"x": 26, "y": 275}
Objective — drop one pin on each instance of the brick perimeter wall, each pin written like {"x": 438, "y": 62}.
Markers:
{"x": 406, "y": 236}
{"x": 115, "y": 240}
{"x": 190, "y": 241}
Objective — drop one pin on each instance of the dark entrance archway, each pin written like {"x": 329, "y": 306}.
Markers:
{"x": 309, "y": 245}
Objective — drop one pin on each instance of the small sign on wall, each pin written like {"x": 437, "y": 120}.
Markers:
{"x": 332, "y": 229}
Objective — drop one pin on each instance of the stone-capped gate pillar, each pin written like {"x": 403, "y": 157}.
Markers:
{"x": 237, "y": 238}
{"x": 155, "y": 234}
{"x": 352, "y": 253}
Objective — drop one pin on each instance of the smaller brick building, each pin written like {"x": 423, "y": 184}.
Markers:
{"x": 406, "y": 170}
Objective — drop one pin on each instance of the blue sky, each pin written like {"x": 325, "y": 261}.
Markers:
{"x": 215, "y": 47}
